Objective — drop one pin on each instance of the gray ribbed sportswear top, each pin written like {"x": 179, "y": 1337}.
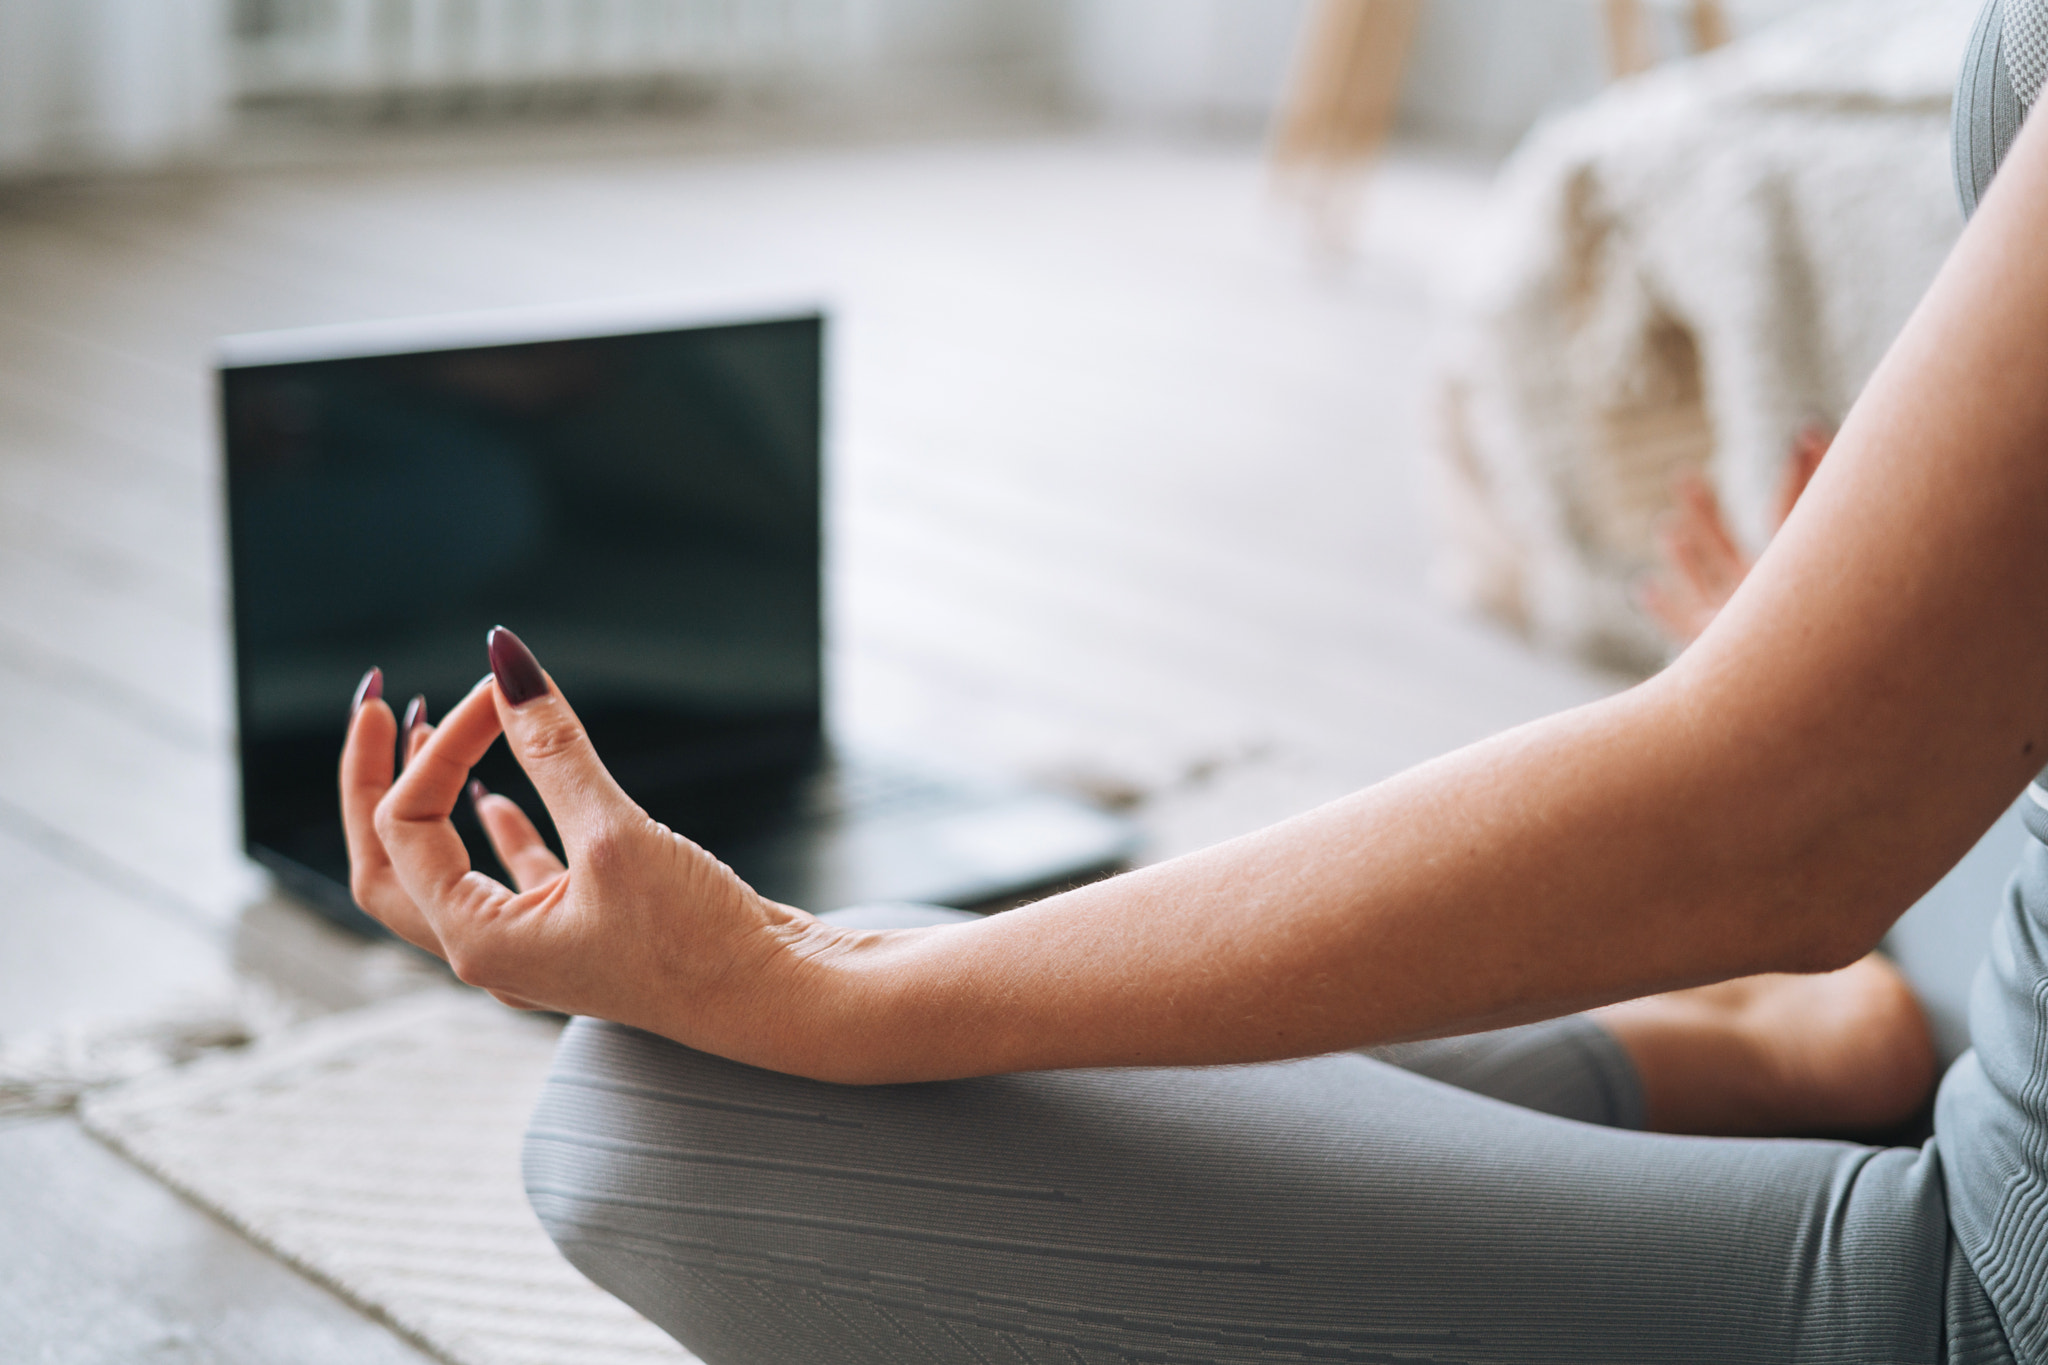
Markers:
{"x": 2002, "y": 74}
{"x": 2026, "y": 48}
{"x": 1991, "y": 1117}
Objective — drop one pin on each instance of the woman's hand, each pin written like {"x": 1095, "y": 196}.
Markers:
{"x": 641, "y": 926}
{"x": 1702, "y": 563}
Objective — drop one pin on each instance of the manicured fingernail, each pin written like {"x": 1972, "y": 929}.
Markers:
{"x": 369, "y": 689}
{"x": 513, "y": 665}
{"x": 477, "y": 792}
{"x": 415, "y": 714}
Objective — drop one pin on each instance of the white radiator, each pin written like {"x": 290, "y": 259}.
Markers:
{"x": 359, "y": 48}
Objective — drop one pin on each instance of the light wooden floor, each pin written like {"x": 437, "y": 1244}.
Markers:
{"x": 1125, "y": 493}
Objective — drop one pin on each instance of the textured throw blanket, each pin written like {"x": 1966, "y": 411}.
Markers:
{"x": 1683, "y": 274}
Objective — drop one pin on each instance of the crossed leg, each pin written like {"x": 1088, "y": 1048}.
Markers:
{"x": 1338, "y": 1209}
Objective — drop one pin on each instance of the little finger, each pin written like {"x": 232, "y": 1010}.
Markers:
{"x": 365, "y": 777}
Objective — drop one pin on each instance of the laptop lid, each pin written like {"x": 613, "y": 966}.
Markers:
{"x": 637, "y": 493}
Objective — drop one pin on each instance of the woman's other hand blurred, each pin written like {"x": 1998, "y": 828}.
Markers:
{"x": 1702, "y": 564}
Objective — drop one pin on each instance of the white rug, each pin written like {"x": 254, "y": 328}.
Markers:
{"x": 1683, "y": 274}
{"x": 378, "y": 1151}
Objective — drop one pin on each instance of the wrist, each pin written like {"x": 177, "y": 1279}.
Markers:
{"x": 848, "y": 1005}
{"x": 873, "y": 1006}
{"x": 798, "y": 995}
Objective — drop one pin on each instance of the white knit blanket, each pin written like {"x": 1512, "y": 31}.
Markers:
{"x": 1683, "y": 274}
{"x": 378, "y": 1151}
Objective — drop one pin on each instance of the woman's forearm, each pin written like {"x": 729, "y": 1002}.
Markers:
{"x": 1556, "y": 867}
{"x": 1867, "y": 703}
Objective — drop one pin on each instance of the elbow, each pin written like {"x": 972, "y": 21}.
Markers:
{"x": 1827, "y": 948}
{"x": 1812, "y": 895}
{"x": 1824, "y": 935}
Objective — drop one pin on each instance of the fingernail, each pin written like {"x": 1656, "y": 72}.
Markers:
{"x": 369, "y": 689}
{"x": 513, "y": 665}
{"x": 415, "y": 714}
{"x": 477, "y": 792}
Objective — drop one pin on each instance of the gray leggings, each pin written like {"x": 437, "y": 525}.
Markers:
{"x": 1344, "y": 1208}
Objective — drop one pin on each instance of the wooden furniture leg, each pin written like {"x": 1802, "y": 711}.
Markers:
{"x": 1709, "y": 21}
{"x": 1629, "y": 49}
{"x": 1341, "y": 101}
{"x": 1347, "y": 81}
{"x": 1631, "y": 46}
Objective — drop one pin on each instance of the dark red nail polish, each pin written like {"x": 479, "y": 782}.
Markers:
{"x": 477, "y": 792}
{"x": 369, "y": 689}
{"x": 415, "y": 714}
{"x": 513, "y": 665}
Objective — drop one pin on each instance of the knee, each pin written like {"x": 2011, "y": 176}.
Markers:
{"x": 595, "y": 1162}
{"x": 600, "y": 1112}
{"x": 643, "y": 1163}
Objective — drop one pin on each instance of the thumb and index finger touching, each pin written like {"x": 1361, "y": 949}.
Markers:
{"x": 549, "y": 743}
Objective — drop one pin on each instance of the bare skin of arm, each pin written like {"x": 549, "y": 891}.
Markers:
{"x": 1872, "y": 696}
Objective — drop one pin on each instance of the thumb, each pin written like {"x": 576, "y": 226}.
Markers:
{"x": 551, "y": 743}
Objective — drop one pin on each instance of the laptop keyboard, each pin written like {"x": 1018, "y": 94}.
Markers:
{"x": 863, "y": 788}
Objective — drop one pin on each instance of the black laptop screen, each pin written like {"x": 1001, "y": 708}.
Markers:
{"x": 643, "y": 510}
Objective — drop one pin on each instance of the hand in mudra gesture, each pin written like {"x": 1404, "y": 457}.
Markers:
{"x": 641, "y": 926}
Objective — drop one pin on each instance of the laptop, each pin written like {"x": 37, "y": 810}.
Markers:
{"x": 637, "y": 493}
